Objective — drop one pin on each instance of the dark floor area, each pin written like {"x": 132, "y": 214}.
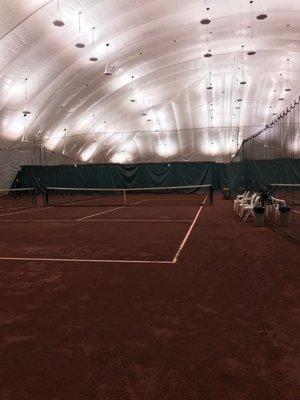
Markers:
{"x": 220, "y": 324}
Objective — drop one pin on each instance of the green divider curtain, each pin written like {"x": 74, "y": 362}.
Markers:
{"x": 251, "y": 175}
{"x": 124, "y": 176}
{"x": 258, "y": 174}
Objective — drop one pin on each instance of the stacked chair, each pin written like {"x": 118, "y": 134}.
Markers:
{"x": 245, "y": 203}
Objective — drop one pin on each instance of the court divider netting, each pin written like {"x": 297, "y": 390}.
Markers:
{"x": 193, "y": 195}
{"x": 288, "y": 192}
{"x": 289, "y": 227}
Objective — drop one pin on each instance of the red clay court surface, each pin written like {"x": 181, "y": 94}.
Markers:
{"x": 140, "y": 233}
{"x": 174, "y": 303}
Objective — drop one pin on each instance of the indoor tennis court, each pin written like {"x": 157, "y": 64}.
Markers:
{"x": 69, "y": 227}
{"x": 149, "y": 199}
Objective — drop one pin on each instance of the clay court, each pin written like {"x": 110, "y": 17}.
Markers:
{"x": 149, "y": 199}
{"x": 98, "y": 234}
{"x": 135, "y": 302}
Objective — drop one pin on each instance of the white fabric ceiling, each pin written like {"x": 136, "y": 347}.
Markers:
{"x": 78, "y": 110}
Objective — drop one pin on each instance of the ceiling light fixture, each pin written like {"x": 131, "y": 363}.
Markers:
{"x": 64, "y": 152}
{"x": 261, "y": 17}
{"x": 58, "y": 22}
{"x": 26, "y": 111}
{"x": 94, "y": 59}
{"x": 79, "y": 44}
{"x": 132, "y": 99}
{"x": 205, "y": 20}
{"x": 281, "y": 98}
{"x": 243, "y": 82}
{"x": 208, "y": 53}
{"x": 288, "y": 89}
{"x": 251, "y": 52}
{"x": 108, "y": 70}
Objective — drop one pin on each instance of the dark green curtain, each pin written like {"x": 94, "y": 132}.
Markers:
{"x": 252, "y": 175}
{"x": 258, "y": 174}
{"x": 124, "y": 176}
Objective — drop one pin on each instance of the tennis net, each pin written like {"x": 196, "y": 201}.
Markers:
{"x": 17, "y": 198}
{"x": 157, "y": 196}
{"x": 288, "y": 192}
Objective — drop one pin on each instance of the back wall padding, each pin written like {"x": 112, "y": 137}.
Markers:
{"x": 251, "y": 175}
{"x": 124, "y": 176}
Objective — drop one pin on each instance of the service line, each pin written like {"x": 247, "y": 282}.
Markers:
{"x": 108, "y": 211}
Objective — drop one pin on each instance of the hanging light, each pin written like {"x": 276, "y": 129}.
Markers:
{"x": 206, "y": 20}
{"x": 79, "y": 44}
{"x": 64, "y": 152}
{"x": 105, "y": 134}
{"x": 281, "y": 97}
{"x": 94, "y": 59}
{"x": 107, "y": 71}
{"x": 26, "y": 111}
{"x": 288, "y": 89}
{"x": 93, "y": 124}
{"x": 251, "y": 52}
{"x": 243, "y": 82}
{"x": 132, "y": 99}
{"x": 58, "y": 22}
{"x": 208, "y": 54}
{"x": 261, "y": 17}
{"x": 210, "y": 86}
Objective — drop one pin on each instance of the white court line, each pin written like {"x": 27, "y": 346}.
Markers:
{"x": 15, "y": 208}
{"x": 175, "y": 259}
{"x": 188, "y": 234}
{"x": 108, "y": 211}
{"x": 31, "y": 210}
{"x": 96, "y": 220}
{"x": 80, "y": 260}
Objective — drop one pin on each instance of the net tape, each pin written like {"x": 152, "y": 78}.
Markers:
{"x": 55, "y": 194}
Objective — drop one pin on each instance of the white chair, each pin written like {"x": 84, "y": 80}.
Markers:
{"x": 239, "y": 199}
{"x": 247, "y": 206}
{"x": 243, "y": 202}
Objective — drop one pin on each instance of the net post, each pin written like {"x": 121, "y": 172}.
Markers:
{"x": 46, "y": 197}
{"x": 34, "y": 195}
{"x": 124, "y": 196}
{"x": 211, "y": 195}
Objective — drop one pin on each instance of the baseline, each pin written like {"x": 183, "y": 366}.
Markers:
{"x": 96, "y": 220}
{"x": 80, "y": 260}
{"x": 26, "y": 210}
